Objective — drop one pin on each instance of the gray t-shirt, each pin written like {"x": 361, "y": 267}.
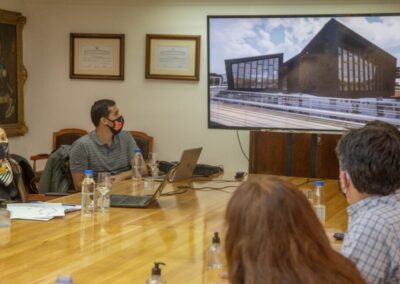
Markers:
{"x": 88, "y": 152}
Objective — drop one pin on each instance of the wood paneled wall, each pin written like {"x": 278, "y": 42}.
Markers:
{"x": 294, "y": 154}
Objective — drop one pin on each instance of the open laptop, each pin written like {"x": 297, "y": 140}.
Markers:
{"x": 186, "y": 165}
{"x": 133, "y": 201}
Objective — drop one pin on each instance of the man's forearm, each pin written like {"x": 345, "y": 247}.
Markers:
{"x": 122, "y": 176}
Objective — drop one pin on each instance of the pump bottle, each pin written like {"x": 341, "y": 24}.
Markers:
{"x": 155, "y": 277}
{"x": 214, "y": 253}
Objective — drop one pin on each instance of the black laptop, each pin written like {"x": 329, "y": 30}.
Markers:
{"x": 133, "y": 201}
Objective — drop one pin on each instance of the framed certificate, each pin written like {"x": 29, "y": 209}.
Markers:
{"x": 97, "y": 56}
{"x": 173, "y": 57}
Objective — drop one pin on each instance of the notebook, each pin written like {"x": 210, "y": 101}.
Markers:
{"x": 133, "y": 201}
{"x": 186, "y": 165}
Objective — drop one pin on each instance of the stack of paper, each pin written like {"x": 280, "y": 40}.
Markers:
{"x": 42, "y": 211}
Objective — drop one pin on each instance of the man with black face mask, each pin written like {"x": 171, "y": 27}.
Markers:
{"x": 106, "y": 149}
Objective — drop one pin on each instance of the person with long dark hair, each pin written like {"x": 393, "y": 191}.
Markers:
{"x": 274, "y": 236}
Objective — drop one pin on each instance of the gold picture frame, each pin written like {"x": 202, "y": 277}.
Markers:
{"x": 172, "y": 57}
{"x": 12, "y": 73}
{"x": 97, "y": 56}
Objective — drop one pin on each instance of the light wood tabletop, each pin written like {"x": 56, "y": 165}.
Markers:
{"x": 121, "y": 246}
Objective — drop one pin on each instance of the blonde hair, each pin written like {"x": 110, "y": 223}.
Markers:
{"x": 3, "y": 135}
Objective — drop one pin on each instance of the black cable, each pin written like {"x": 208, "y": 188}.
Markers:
{"x": 198, "y": 178}
{"x": 175, "y": 192}
{"x": 240, "y": 144}
{"x": 209, "y": 188}
{"x": 309, "y": 180}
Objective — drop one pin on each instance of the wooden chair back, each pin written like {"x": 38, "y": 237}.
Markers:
{"x": 67, "y": 136}
{"x": 144, "y": 141}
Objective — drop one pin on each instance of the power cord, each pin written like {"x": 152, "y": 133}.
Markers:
{"x": 185, "y": 188}
{"x": 208, "y": 188}
{"x": 175, "y": 192}
{"x": 240, "y": 144}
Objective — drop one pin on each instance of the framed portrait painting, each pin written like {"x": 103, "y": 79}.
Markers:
{"x": 12, "y": 73}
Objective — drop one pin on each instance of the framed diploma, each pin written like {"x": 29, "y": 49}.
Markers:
{"x": 173, "y": 57}
{"x": 97, "y": 56}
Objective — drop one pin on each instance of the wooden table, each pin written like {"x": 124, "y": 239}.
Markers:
{"x": 121, "y": 246}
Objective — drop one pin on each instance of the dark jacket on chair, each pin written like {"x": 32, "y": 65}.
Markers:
{"x": 56, "y": 176}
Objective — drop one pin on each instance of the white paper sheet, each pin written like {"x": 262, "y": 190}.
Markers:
{"x": 41, "y": 211}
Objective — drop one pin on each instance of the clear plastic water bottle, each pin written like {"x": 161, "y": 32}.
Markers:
{"x": 88, "y": 194}
{"x": 137, "y": 165}
{"x": 319, "y": 202}
{"x": 156, "y": 277}
{"x": 214, "y": 253}
{"x": 64, "y": 279}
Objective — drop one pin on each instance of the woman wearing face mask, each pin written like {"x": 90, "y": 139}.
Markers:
{"x": 11, "y": 185}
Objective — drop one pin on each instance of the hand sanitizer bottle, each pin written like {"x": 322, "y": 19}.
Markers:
{"x": 214, "y": 254}
{"x": 155, "y": 277}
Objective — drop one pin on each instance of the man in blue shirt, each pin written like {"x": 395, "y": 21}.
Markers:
{"x": 105, "y": 149}
{"x": 369, "y": 160}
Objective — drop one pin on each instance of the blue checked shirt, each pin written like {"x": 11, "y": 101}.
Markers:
{"x": 372, "y": 241}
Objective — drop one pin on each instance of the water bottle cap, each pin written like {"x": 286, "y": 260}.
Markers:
{"x": 136, "y": 150}
{"x": 64, "y": 279}
{"x": 319, "y": 183}
{"x": 88, "y": 172}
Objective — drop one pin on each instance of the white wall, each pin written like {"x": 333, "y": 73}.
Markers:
{"x": 12, "y": 5}
{"x": 174, "y": 112}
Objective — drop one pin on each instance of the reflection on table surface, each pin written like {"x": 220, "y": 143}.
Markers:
{"x": 121, "y": 246}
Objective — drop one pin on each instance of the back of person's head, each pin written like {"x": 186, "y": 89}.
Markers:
{"x": 371, "y": 157}
{"x": 100, "y": 109}
{"x": 274, "y": 236}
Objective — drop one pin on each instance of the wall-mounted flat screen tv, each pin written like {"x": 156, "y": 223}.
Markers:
{"x": 323, "y": 73}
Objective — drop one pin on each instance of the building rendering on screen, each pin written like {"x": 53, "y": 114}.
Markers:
{"x": 216, "y": 79}
{"x": 337, "y": 62}
{"x": 259, "y": 73}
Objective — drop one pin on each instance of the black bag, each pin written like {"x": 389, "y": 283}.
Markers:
{"x": 202, "y": 170}
{"x": 28, "y": 176}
